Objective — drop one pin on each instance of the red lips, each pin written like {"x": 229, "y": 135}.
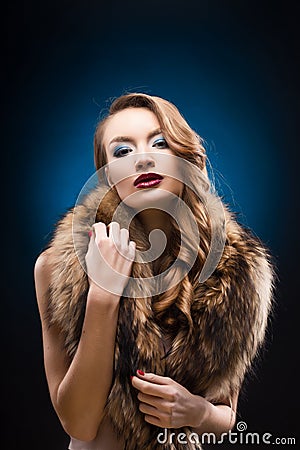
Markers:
{"x": 147, "y": 177}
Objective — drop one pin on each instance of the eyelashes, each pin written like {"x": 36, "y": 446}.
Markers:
{"x": 124, "y": 150}
{"x": 160, "y": 143}
{"x": 121, "y": 151}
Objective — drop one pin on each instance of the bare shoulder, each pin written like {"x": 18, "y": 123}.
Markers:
{"x": 42, "y": 276}
{"x": 42, "y": 264}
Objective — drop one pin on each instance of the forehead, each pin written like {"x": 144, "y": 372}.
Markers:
{"x": 133, "y": 122}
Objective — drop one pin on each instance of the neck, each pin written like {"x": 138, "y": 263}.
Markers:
{"x": 156, "y": 219}
{"x": 152, "y": 219}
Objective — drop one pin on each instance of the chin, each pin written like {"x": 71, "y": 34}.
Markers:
{"x": 150, "y": 198}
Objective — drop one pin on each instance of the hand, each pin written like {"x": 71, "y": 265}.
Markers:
{"x": 109, "y": 257}
{"x": 166, "y": 403}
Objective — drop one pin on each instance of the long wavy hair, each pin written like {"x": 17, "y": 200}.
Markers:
{"x": 172, "y": 308}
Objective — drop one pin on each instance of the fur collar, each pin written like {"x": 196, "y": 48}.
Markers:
{"x": 229, "y": 310}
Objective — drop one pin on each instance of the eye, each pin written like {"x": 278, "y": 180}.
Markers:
{"x": 160, "y": 143}
{"x": 122, "y": 151}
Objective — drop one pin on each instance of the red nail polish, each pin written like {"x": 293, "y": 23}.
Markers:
{"x": 90, "y": 233}
{"x": 140, "y": 372}
{"x": 131, "y": 376}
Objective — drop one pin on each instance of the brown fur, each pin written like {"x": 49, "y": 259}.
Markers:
{"x": 230, "y": 313}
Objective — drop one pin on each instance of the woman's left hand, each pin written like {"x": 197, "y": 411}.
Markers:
{"x": 166, "y": 403}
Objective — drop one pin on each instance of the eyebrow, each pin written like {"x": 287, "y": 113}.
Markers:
{"x": 130, "y": 139}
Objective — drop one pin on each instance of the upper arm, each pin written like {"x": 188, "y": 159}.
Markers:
{"x": 232, "y": 401}
{"x": 55, "y": 359}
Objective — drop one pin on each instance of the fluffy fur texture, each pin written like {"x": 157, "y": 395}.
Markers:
{"x": 229, "y": 310}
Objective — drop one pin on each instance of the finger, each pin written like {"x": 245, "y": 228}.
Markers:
{"x": 124, "y": 241}
{"x": 132, "y": 248}
{"x": 100, "y": 230}
{"x": 114, "y": 232}
{"x": 124, "y": 237}
{"x": 153, "y": 420}
{"x": 156, "y": 402}
{"x": 146, "y": 387}
{"x": 153, "y": 378}
{"x": 149, "y": 410}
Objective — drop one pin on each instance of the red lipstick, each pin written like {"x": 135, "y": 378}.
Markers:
{"x": 147, "y": 180}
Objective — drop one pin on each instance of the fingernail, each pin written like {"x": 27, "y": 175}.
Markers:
{"x": 90, "y": 233}
{"x": 131, "y": 376}
{"x": 140, "y": 372}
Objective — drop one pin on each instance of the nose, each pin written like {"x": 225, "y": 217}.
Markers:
{"x": 144, "y": 161}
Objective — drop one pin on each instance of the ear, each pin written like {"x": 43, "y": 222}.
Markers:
{"x": 107, "y": 177}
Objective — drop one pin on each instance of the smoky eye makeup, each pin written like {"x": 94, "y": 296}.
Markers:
{"x": 160, "y": 143}
{"x": 121, "y": 150}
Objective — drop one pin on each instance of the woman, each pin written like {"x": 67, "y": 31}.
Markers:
{"x": 153, "y": 299}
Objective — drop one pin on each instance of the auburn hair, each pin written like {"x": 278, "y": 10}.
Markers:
{"x": 172, "y": 308}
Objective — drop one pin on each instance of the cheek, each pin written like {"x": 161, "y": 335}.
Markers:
{"x": 176, "y": 186}
{"x": 173, "y": 171}
{"x": 120, "y": 170}
{"x": 124, "y": 188}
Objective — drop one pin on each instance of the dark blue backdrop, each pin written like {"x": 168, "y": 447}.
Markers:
{"x": 232, "y": 70}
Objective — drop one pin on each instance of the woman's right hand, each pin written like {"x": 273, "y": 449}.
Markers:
{"x": 109, "y": 257}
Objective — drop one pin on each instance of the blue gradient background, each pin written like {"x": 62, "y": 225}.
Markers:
{"x": 233, "y": 73}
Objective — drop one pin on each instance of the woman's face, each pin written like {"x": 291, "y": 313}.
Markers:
{"x": 135, "y": 147}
